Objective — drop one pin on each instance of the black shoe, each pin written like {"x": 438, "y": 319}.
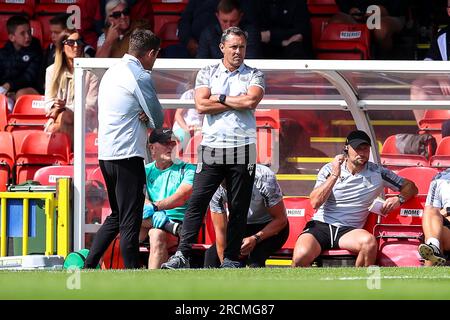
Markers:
{"x": 227, "y": 263}
{"x": 177, "y": 261}
{"x": 432, "y": 253}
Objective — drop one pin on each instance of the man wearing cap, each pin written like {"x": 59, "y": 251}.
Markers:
{"x": 169, "y": 187}
{"x": 344, "y": 191}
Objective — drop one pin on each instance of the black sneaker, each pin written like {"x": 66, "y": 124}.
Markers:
{"x": 177, "y": 261}
{"x": 432, "y": 253}
{"x": 227, "y": 263}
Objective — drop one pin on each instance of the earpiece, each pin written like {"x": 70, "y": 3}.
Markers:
{"x": 345, "y": 150}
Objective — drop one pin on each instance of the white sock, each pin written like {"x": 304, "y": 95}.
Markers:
{"x": 435, "y": 242}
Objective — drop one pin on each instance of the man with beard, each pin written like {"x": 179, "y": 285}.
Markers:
{"x": 344, "y": 191}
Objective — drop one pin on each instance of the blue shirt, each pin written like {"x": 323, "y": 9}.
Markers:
{"x": 121, "y": 134}
{"x": 161, "y": 184}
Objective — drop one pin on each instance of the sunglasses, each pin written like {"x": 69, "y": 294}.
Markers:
{"x": 71, "y": 42}
{"x": 118, "y": 14}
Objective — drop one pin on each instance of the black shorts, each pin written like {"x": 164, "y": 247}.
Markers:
{"x": 446, "y": 223}
{"x": 326, "y": 234}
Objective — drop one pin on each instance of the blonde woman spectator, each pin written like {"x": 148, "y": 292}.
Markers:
{"x": 59, "y": 86}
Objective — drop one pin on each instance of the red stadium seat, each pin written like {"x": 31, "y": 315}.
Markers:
{"x": 28, "y": 113}
{"x": 168, "y": 32}
{"x": 26, "y": 9}
{"x": 36, "y": 31}
{"x": 40, "y": 149}
{"x": 7, "y": 156}
{"x": 344, "y": 42}
{"x": 47, "y": 176}
{"x": 397, "y": 246}
{"x": 321, "y": 11}
{"x": 95, "y": 180}
{"x": 267, "y": 127}
{"x": 432, "y": 122}
{"x": 394, "y": 160}
{"x": 421, "y": 176}
{"x": 441, "y": 159}
{"x": 3, "y": 112}
{"x": 299, "y": 212}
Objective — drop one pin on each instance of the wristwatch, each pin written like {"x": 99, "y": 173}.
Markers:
{"x": 257, "y": 238}
{"x": 401, "y": 199}
{"x": 222, "y": 98}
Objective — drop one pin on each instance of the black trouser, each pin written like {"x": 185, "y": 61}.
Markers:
{"x": 260, "y": 253}
{"x": 239, "y": 184}
{"x": 125, "y": 181}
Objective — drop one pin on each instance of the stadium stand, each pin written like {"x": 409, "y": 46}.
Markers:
{"x": 341, "y": 41}
{"x": 166, "y": 15}
{"x": 7, "y": 156}
{"x": 441, "y": 159}
{"x": 47, "y": 176}
{"x": 40, "y": 149}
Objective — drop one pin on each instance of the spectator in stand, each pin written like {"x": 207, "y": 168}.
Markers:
{"x": 57, "y": 25}
{"x": 197, "y": 15}
{"x": 139, "y": 10}
{"x": 229, "y": 14}
{"x": 59, "y": 86}
{"x": 113, "y": 43}
{"x": 435, "y": 223}
{"x": 267, "y": 224}
{"x": 344, "y": 191}
{"x": 437, "y": 87}
{"x": 285, "y": 29}
{"x": 393, "y": 20}
{"x": 20, "y": 61}
{"x": 169, "y": 187}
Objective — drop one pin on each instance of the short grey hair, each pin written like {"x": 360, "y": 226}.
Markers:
{"x": 233, "y": 31}
{"x": 111, "y": 4}
{"x": 142, "y": 41}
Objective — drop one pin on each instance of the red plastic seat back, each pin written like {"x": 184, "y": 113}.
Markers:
{"x": 299, "y": 212}
{"x": 421, "y": 176}
{"x": 29, "y": 104}
{"x": 47, "y": 176}
{"x": 7, "y": 156}
{"x": 40, "y": 143}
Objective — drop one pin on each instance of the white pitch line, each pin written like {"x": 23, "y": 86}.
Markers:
{"x": 388, "y": 277}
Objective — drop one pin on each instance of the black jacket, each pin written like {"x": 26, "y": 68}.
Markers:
{"x": 208, "y": 46}
{"x": 284, "y": 18}
{"x": 23, "y": 68}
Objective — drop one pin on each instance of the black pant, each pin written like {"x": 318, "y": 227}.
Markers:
{"x": 239, "y": 184}
{"x": 260, "y": 253}
{"x": 125, "y": 181}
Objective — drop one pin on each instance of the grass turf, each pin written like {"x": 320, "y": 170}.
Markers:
{"x": 269, "y": 283}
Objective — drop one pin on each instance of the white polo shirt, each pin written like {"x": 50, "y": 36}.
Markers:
{"x": 121, "y": 134}
{"x": 352, "y": 195}
{"x": 234, "y": 128}
{"x": 266, "y": 194}
{"x": 439, "y": 192}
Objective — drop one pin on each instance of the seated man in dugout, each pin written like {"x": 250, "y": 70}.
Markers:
{"x": 435, "y": 223}
{"x": 169, "y": 187}
{"x": 344, "y": 191}
{"x": 267, "y": 224}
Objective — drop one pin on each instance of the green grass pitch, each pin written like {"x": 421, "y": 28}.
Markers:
{"x": 269, "y": 283}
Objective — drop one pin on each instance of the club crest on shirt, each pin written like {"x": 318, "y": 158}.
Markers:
{"x": 26, "y": 58}
{"x": 250, "y": 168}
{"x": 198, "y": 169}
